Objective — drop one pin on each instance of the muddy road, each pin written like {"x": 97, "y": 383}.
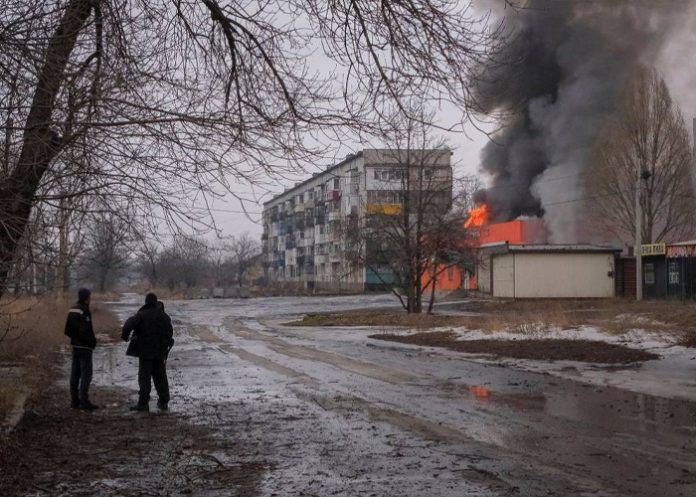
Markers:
{"x": 320, "y": 412}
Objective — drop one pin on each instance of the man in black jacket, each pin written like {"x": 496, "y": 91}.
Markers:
{"x": 152, "y": 328}
{"x": 78, "y": 327}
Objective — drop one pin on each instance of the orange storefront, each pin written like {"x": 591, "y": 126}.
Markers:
{"x": 518, "y": 232}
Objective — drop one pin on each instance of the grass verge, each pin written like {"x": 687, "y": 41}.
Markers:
{"x": 616, "y": 316}
{"x": 31, "y": 330}
{"x": 534, "y": 318}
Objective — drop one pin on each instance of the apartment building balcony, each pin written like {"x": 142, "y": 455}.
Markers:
{"x": 335, "y": 215}
{"x": 277, "y": 263}
{"x": 333, "y": 195}
{"x": 290, "y": 244}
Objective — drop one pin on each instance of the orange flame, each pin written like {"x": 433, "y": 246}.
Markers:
{"x": 478, "y": 217}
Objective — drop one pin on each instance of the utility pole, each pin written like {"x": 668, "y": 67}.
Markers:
{"x": 643, "y": 175}
{"x": 638, "y": 245}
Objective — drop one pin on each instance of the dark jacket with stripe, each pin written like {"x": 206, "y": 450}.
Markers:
{"x": 152, "y": 328}
{"x": 78, "y": 327}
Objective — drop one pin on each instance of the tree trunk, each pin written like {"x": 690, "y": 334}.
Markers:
{"x": 433, "y": 282}
{"x": 62, "y": 277}
{"x": 39, "y": 142}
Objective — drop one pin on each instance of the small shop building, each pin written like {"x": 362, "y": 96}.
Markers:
{"x": 669, "y": 270}
{"x": 547, "y": 271}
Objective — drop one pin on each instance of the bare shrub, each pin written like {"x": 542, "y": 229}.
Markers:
{"x": 32, "y": 329}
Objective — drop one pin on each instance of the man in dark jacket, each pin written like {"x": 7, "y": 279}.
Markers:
{"x": 152, "y": 328}
{"x": 78, "y": 327}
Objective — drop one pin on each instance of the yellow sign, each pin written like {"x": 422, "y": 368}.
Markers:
{"x": 387, "y": 209}
{"x": 653, "y": 249}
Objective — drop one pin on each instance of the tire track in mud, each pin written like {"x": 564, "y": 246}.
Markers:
{"x": 501, "y": 469}
{"x": 210, "y": 338}
{"x": 371, "y": 370}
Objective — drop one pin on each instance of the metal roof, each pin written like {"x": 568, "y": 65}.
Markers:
{"x": 562, "y": 248}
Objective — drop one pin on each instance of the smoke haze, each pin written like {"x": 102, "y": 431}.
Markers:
{"x": 557, "y": 79}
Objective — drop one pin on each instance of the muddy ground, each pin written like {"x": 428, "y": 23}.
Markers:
{"x": 536, "y": 349}
{"x": 57, "y": 451}
{"x": 263, "y": 409}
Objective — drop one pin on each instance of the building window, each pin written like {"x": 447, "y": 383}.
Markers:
{"x": 336, "y": 183}
{"x": 450, "y": 273}
{"x": 396, "y": 175}
{"x": 649, "y": 273}
{"x": 673, "y": 273}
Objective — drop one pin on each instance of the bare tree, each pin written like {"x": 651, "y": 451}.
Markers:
{"x": 409, "y": 234}
{"x": 147, "y": 261}
{"x": 147, "y": 91}
{"x": 243, "y": 254}
{"x": 107, "y": 249}
{"x": 184, "y": 262}
{"x": 647, "y": 136}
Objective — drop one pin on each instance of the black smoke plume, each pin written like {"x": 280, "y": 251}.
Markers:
{"x": 554, "y": 83}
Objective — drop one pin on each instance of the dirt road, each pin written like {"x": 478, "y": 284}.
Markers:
{"x": 263, "y": 409}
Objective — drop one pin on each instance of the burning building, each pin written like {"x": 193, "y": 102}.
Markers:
{"x": 515, "y": 261}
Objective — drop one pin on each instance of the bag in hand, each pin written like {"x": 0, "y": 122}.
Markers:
{"x": 133, "y": 349}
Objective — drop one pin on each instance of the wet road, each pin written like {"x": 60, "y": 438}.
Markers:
{"x": 335, "y": 413}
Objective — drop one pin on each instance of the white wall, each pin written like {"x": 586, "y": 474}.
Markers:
{"x": 549, "y": 275}
{"x": 504, "y": 275}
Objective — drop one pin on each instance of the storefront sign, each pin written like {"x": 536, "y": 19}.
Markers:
{"x": 681, "y": 251}
{"x": 653, "y": 249}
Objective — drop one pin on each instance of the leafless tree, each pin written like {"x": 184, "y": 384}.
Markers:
{"x": 147, "y": 261}
{"x": 183, "y": 263}
{"x": 166, "y": 101}
{"x": 409, "y": 233}
{"x": 107, "y": 248}
{"x": 243, "y": 254}
{"x": 647, "y": 136}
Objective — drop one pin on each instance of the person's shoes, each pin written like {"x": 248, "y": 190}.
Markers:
{"x": 88, "y": 406}
{"x": 140, "y": 407}
{"x": 163, "y": 406}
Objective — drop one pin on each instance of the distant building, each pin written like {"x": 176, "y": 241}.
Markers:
{"x": 304, "y": 228}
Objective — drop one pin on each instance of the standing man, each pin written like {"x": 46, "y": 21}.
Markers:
{"x": 78, "y": 327}
{"x": 152, "y": 329}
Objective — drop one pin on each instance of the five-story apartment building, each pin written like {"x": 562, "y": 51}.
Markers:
{"x": 304, "y": 228}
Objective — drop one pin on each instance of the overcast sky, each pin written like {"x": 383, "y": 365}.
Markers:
{"x": 676, "y": 63}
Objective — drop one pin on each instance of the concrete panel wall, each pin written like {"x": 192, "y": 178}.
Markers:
{"x": 551, "y": 275}
{"x": 504, "y": 275}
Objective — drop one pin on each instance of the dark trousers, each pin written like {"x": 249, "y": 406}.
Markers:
{"x": 156, "y": 370}
{"x": 80, "y": 374}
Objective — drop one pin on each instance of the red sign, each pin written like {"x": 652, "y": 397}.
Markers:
{"x": 681, "y": 251}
